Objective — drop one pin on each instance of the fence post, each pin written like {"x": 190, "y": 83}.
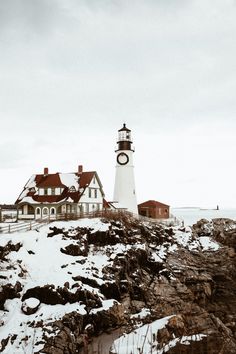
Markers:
{"x": 9, "y": 229}
{"x": 30, "y": 226}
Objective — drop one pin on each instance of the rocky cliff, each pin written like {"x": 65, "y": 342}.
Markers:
{"x": 69, "y": 282}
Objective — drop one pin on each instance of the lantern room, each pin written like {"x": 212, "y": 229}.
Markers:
{"x": 124, "y": 139}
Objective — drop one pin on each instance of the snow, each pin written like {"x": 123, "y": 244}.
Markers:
{"x": 186, "y": 340}
{"x": 140, "y": 339}
{"x": 69, "y": 180}
{"x": 46, "y": 264}
{"x": 32, "y": 302}
{"x": 142, "y": 314}
{"x": 93, "y": 223}
{"x": 106, "y": 305}
{"x": 15, "y": 322}
{"x": 160, "y": 255}
{"x": 143, "y": 340}
{"x": 207, "y": 244}
{"x": 30, "y": 184}
{"x": 50, "y": 272}
{"x": 29, "y": 200}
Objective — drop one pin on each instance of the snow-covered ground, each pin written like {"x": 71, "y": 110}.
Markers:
{"x": 41, "y": 262}
{"x": 192, "y": 215}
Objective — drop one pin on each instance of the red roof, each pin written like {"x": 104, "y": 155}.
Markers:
{"x": 152, "y": 204}
{"x": 54, "y": 181}
{"x": 56, "y": 198}
{"x": 49, "y": 181}
{"x": 86, "y": 178}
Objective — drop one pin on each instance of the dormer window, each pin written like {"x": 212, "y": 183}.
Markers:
{"x": 72, "y": 189}
{"x": 94, "y": 180}
{"x": 53, "y": 191}
{"x": 45, "y": 191}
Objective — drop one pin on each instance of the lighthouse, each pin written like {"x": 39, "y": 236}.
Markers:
{"x": 124, "y": 191}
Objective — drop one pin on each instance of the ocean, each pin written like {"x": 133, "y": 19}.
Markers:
{"x": 192, "y": 215}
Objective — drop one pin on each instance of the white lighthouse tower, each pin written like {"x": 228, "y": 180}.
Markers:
{"x": 124, "y": 191}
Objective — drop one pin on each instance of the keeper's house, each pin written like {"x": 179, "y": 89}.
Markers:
{"x": 154, "y": 209}
{"x": 60, "y": 193}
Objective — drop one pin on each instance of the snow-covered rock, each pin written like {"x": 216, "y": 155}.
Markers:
{"x": 72, "y": 280}
{"x": 30, "y": 305}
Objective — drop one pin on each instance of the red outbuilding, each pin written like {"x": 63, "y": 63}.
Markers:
{"x": 154, "y": 209}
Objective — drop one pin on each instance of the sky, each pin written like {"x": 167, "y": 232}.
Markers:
{"x": 73, "y": 71}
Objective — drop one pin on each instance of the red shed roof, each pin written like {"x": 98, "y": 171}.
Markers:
{"x": 153, "y": 204}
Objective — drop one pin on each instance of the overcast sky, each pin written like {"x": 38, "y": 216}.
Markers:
{"x": 73, "y": 71}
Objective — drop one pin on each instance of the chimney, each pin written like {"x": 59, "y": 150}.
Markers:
{"x": 80, "y": 169}
{"x": 45, "y": 171}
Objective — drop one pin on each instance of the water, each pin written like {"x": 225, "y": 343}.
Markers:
{"x": 192, "y": 215}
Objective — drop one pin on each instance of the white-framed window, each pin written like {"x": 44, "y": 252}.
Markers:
{"x": 95, "y": 193}
{"x": 90, "y": 192}
{"x": 38, "y": 211}
{"x": 45, "y": 191}
{"x": 52, "y": 191}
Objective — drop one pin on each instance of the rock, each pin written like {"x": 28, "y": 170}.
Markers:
{"x": 30, "y": 306}
{"x": 46, "y": 294}
{"x": 176, "y": 326}
{"x": 197, "y": 287}
{"x": 9, "y": 292}
{"x": 8, "y": 248}
{"x": 75, "y": 250}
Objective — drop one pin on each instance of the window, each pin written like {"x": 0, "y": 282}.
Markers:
{"x": 90, "y": 192}
{"x": 45, "y": 191}
{"x": 45, "y": 211}
{"x": 38, "y": 211}
{"x": 95, "y": 193}
{"x": 94, "y": 180}
{"x": 53, "y": 191}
